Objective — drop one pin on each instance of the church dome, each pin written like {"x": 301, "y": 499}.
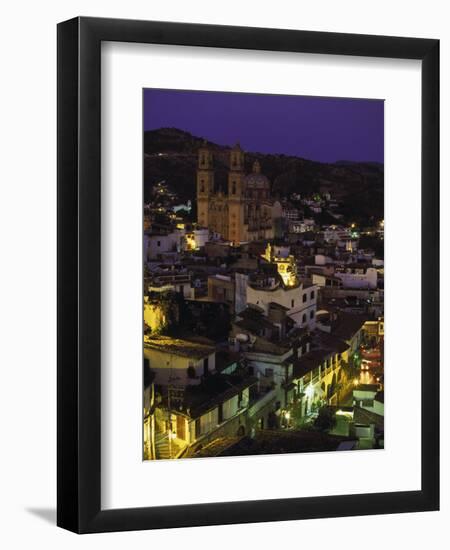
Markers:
{"x": 256, "y": 180}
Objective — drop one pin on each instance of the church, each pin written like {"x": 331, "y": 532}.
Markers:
{"x": 246, "y": 212}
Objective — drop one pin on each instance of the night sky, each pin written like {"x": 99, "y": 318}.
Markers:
{"x": 316, "y": 128}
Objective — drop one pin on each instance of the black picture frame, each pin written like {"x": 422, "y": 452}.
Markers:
{"x": 79, "y": 281}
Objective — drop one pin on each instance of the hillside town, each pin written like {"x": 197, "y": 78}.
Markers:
{"x": 263, "y": 319}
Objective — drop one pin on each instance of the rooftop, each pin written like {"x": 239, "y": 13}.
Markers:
{"x": 215, "y": 389}
{"x": 327, "y": 346}
{"x": 331, "y": 342}
{"x": 275, "y": 305}
{"x": 366, "y": 387}
{"x": 254, "y": 325}
{"x": 255, "y": 317}
{"x": 175, "y": 346}
{"x": 348, "y": 324}
{"x": 310, "y": 361}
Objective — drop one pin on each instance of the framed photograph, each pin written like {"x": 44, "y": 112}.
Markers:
{"x": 248, "y": 258}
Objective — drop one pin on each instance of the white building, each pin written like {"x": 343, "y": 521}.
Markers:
{"x": 301, "y": 226}
{"x": 318, "y": 376}
{"x": 355, "y": 276}
{"x": 291, "y": 214}
{"x": 241, "y": 281}
{"x": 321, "y": 259}
{"x": 178, "y": 362}
{"x": 334, "y": 233}
{"x": 369, "y": 397}
{"x": 269, "y": 351}
{"x": 300, "y": 301}
{"x": 157, "y": 244}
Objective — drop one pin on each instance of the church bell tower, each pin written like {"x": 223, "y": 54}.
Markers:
{"x": 205, "y": 184}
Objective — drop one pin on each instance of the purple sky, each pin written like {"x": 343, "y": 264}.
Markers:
{"x": 317, "y": 128}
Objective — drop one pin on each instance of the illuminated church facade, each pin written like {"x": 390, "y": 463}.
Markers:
{"x": 247, "y": 211}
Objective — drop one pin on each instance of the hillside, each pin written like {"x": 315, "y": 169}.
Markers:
{"x": 171, "y": 154}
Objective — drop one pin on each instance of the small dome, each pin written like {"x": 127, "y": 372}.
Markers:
{"x": 256, "y": 180}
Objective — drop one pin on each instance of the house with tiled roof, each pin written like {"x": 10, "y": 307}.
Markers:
{"x": 198, "y": 399}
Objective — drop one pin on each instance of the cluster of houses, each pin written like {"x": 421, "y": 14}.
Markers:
{"x": 245, "y": 342}
{"x": 286, "y": 349}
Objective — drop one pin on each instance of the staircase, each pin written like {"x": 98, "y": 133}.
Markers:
{"x": 162, "y": 448}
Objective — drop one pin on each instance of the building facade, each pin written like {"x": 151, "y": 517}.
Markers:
{"x": 246, "y": 211}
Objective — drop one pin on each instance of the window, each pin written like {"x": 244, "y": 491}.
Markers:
{"x": 158, "y": 243}
{"x": 311, "y": 315}
{"x": 304, "y": 298}
{"x": 304, "y": 318}
{"x": 292, "y": 303}
{"x": 233, "y": 189}
{"x": 312, "y": 295}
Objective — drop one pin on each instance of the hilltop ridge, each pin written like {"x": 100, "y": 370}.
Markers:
{"x": 171, "y": 154}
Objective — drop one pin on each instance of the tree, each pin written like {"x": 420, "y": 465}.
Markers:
{"x": 296, "y": 413}
{"x": 350, "y": 368}
{"x": 326, "y": 419}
